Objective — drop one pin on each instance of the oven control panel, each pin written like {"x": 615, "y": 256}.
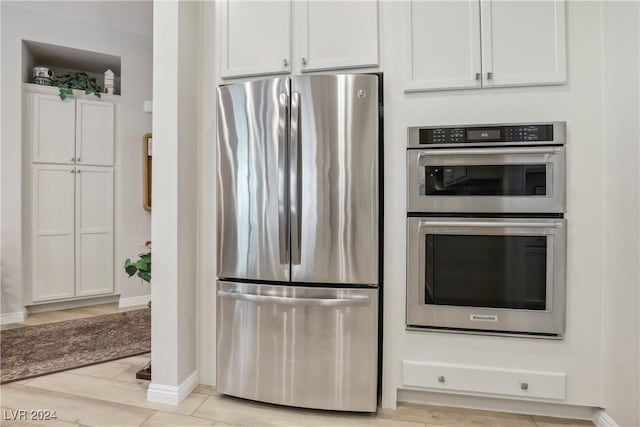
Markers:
{"x": 477, "y": 135}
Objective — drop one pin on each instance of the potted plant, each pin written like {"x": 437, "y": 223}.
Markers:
{"x": 142, "y": 267}
{"x": 81, "y": 80}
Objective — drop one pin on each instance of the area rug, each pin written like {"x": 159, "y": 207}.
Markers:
{"x": 32, "y": 351}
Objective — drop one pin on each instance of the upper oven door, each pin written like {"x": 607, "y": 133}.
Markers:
{"x": 487, "y": 180}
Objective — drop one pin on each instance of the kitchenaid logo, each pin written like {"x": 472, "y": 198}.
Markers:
{"x": 483, "y": 317}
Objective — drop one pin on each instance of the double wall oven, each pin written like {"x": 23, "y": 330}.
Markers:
{"x": 486, "y": 231}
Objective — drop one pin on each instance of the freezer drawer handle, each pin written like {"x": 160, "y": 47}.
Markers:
{"x": 358, "y": 300}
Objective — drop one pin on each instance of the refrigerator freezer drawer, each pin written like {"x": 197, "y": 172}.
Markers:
{"x": 298, "y": 346}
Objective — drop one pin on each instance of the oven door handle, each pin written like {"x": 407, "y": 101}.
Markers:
{"x": 423, "y": 224}
{"x": 489, "y": 151}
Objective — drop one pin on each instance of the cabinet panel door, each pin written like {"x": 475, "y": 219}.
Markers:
{"x": 53, "y": 232}
{"x": 94, "y": 231}
{"x": 337, "y": 34}
{"x": 442, "y": 45}
{"x": 523, "y": 42}
{"x": 53, "y": 128}
{"x": 95, "y": 132}
{"x": 256, "y": 37}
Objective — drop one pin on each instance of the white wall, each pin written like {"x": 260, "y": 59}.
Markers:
{"x": 41, "y": 21}
{"x": 621, "y": 329}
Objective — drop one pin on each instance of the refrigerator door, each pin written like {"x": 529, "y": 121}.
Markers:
{"x": 310, "y": 347}
{"x": 334, "y": 179}
{"x": 252, "y": 180}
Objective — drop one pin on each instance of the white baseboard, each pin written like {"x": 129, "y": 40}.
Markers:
{"x": 130, "y": 302}
{"x": 170, "y": 394}
{"x": 602, "y": 419}
{"x": 17, "y": 317}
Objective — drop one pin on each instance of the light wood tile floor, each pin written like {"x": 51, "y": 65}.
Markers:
{"x": 109, "y": 395}
{"x": 69, "y": 314}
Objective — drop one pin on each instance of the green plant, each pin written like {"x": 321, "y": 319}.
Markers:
{"x": 67, "y": 82}
{"x": 142, "y": 266}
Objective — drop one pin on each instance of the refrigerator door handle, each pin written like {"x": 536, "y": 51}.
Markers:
{"x": 295, "y": 191}
{"x": 283, "y": 187}
{"x": 358, "y": 300}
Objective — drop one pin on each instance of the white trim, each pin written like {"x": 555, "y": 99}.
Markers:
{"x": 131, "y": 301}
{"x": 17, "y": 317}
{"x": 171, "y": 394}
{"x": 602, "y": 419}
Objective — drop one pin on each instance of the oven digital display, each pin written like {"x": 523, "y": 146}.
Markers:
{"x": 483, "y": 134}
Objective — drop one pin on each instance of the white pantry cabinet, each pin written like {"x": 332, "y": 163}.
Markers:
{"x": 337, "y": 34}
{"x": 72, "y": 131}
{"x": 72, "y": 246}
{"x": 70, "y": 232}
{"x": 257, "y": 37}
{"x": 484, "y": 43}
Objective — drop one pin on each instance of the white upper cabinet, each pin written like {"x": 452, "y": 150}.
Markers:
{"x": 484, "y": 43}
{"x": 94, "y": 231}
{"x": 52, "y": 129}
{"x": 94, "y": 132}
{"x": 337, "y": 34}
{"x": 523, "y": 42}
{"x": 53, "y": 232}
{"x": 442, "y": 45}
{"x": 256, "y": 37}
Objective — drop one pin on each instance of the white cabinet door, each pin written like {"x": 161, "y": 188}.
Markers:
{"x": 53, "y": 128}
{"x": 442, "y": 45}
{"x": 95, "y": 131}
{"x": 255, "y": 37}
{"x": 337, "y": 34}
{"x": 523, "y": 42}
{"x": 53, "y": 232}
{"x": 94, "y": 231}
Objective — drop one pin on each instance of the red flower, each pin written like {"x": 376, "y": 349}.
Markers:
{"x": 148, "y": 243}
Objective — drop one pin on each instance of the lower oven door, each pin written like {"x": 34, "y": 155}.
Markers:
{"x": 486, "y": 180}
{"x": 298, "y": 346}
{"x": 487, "y": 274}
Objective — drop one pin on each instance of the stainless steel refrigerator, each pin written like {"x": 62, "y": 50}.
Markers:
{"x": 297, "y": 241}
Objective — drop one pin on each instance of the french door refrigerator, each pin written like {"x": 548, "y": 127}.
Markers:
{"x": 297, "y": 241}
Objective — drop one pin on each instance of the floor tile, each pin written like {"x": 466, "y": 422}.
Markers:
{"x": 73, "y": 409}
{"x": 103, "y": 370}
{"x": 454, "y": 417}
{"x": 132, "y": 394}
{"x": 559, "y": 422}
{"x": 205, "y": 389}
{"x": 166, "y": 419}
{"x": 228, "y": 409}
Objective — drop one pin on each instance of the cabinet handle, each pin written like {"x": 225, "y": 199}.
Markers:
{"x": 73, "y": 170}
{"x": 524, "y": 386}
{"x": 478, "y": 76}
{"x": 441, "y": 378}
{"x": 79, "y": 171}
{"x": 285, "y": 63}
{"x": 304, "y": 61}
{"x": 490, "y": 75}
{"x": 73, "y": 159}
{"x": 78, "y": 159}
